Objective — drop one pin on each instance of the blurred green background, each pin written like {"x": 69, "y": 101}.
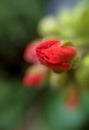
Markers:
{"x": 33, "y": 109}
{"x": 18, "y": 23}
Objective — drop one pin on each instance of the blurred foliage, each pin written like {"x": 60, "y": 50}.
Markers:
{"x": 14, "y": 101}
{"x": 18, "y": 21}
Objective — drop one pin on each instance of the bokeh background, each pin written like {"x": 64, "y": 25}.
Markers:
{"x": 21, "y": 21}
{"x": 18, "y": 22}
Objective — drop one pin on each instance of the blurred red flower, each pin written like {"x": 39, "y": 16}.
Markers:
{"x": 35, "y": 75}
{"x": 54, "y": 55}
{"x": 73, "y": 99}
{"x": 30, "y": 54}
{"x": 33, "y": 80}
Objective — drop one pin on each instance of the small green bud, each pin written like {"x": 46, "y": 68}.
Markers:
{"x": 47, "y": 26}
{"x": 66, "y": 24}
{"x": 58, "y": 80}
{"x": 82, "y": 74}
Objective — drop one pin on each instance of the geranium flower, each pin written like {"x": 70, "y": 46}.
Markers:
{"x": 35, "y": 76}
{"x": 55, "y": 55}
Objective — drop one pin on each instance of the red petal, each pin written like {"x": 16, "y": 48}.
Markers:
{"x": 48, "y": 44}
{"x": 56, "y": 54}
{"x": 45, "y": 45}
{"x": 63, "y": 66}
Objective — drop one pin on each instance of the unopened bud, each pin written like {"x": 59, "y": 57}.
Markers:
{"x": 47, "y": 26}
{"x": 35, "y": 76}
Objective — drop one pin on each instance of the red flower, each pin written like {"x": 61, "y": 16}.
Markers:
{"x": 55, "y": 55}
{"x": 30, "y": 54}
{"x": 35, "y": 75}
{"x": 33, "y": 80}
{"x": 73, "y": 99}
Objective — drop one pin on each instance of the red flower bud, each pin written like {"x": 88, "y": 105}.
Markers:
{"x": 30, "y": 54}
{"x": 73, "y": 99}
{"x": 54, "y": 55}
{"x": 33, "y": 80}
{"x": 35, "y": 75}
